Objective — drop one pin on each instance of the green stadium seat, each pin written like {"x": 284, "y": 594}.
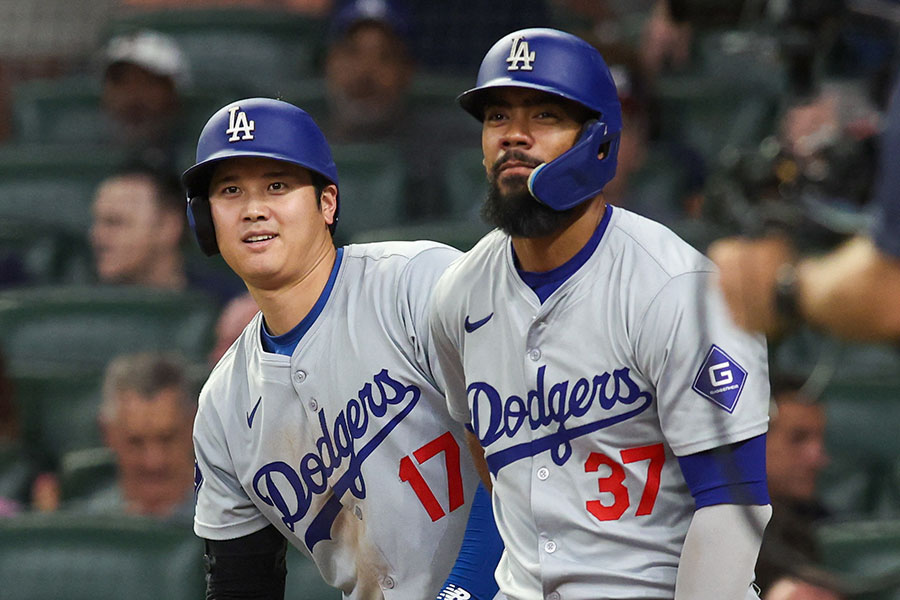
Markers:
{"x": 304, "y": 582}
{"x": 86, "y": 326}
{"x": 457, "y": 233}
{"x": 105, "y": 558}
{"x": 16, "y": 472}
{"x": 862, "y": 439}
{"x": 373, "y": 187}
{"x": 86, "y": 471}
{"x": 68, "y": 112}
{"x": 48, "y": 254}
{"x": 465, "y": 182}
{"x": 65, "y": 110}
{"x": 252, "y": 50}
{"x": 866, "y": 553}
{"x": 53, "y": 185}
{"x": 58, "y": 410}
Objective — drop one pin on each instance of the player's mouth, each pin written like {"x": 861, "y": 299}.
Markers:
{"x": 514, "y": 163}
{"x": 258, "y": 240}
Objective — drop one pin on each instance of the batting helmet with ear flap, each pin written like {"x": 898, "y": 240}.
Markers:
{"x": 254, "y": 127}
{"x": 564, "y": 65}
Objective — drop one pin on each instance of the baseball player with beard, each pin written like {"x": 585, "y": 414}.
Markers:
{"x": 323, "y": 424}
{"x": 619, "y": 411}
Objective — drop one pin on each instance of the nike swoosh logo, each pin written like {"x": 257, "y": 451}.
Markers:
{"x": 252, "y": 413}
{"x": 470, "y": 326}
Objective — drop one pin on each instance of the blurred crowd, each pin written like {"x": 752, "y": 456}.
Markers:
{"x": 752, "y": 129}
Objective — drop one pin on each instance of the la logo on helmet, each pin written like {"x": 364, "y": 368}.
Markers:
{"x": 518, "y": 52}
{"x": 239, "y": 126}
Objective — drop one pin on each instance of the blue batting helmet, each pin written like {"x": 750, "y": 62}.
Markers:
{"x": 254, "y": 127}
{"x": 564, "y": 65}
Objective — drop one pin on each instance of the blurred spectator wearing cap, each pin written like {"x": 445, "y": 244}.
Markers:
{"x": 369, "y": 70}
{"x": 145, "y": 75}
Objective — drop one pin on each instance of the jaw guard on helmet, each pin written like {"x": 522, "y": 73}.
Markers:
{"x": 254, "y": 127}
{"x": 564, "y": 65}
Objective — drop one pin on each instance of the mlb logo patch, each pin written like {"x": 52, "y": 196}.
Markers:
{"x": 720, "y": 379}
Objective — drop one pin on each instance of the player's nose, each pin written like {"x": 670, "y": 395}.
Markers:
{"x": 256, "y": 207}
{"x": 517, "y": 134}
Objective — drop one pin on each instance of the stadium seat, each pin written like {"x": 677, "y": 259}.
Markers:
{"x": 68, "y": 112}
{"x": 47, "y": 254}
{"x": 105, "y": 558}
{"x": 372, "y": 180}
{"x": 866, "y": 553}
{"x": 461, "y": 234}
{"x": 15, "y": 472}
{"x": 251, "y": 50}
{"x": 465, "y": 182}
{"x": 862, "y": 439}
{"x": 58, "y": 410}
{"x": 52, "y": 185}
{"x": 86, "y": 471}
{"x": 86, "y": 326}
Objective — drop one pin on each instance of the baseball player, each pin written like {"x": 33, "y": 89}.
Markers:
{"x": 620, "y": 412}
{"x": 323, "y": 424}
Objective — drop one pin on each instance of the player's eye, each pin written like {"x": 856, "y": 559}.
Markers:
{"x": 547, "y": 115}
{"x": 230, "y": 190}
{"x": 493, "y": 115}
{"x": 277, "y": 186}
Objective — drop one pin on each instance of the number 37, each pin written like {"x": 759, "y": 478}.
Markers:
{"x": 614, "y": 483}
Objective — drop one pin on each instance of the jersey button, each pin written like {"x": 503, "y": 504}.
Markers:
{"x": 553, "y": 596}
{"x": 299, "y": 376}
{"x": 550, "y": 546}
{"x": 313, "y": 405}
{"x": 543, "y": 473}
{"x": 534, "y": 354}
{"x": 358, "y": 512}
{"x": 387, "y": 583}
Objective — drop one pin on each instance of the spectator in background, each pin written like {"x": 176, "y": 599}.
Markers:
{"x": 146, "y": 417}
{"x": 232, "y": 321}
{"x": 795, "y": 456}
{"x": 138, "y": 226}
{"x": 851, "y": 292}
{"x": 655, "y": 178}
{"x": 369, "y": 71}
{"x": 144, "y": 77}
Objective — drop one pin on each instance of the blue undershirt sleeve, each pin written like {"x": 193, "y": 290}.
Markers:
{"x": 733, "y": 474}
{"x": 473, "y": 574}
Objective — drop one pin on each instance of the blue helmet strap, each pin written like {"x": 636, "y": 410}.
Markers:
{"x": 579, "y": 173}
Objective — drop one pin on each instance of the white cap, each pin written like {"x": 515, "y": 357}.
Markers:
{"x": 151, "y": 50}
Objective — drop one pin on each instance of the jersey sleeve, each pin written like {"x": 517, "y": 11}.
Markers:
{"x": 711, "y": 377}
{"x": 223, "y": 511}
{"x": 417, "y": 286}
{"x": 447, "y": 344}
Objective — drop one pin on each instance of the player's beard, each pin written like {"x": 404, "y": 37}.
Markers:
{"x": 516, "y": 211}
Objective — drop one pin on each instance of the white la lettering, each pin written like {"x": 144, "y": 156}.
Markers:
{"x": 519, "y": 52}
{"x": 239, "y": 127}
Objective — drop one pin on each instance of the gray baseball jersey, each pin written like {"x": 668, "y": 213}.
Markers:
{"x": 346, "y": 446}
{"x": 583, "y": 402}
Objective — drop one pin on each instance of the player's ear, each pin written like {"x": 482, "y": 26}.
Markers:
{"x": 328, "y": 202}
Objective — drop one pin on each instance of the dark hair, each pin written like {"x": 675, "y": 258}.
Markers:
{"x": 168, "y": 187}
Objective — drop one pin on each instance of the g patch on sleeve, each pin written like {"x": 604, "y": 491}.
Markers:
{"x": 720, "y": 379}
